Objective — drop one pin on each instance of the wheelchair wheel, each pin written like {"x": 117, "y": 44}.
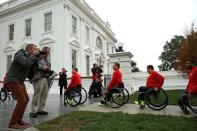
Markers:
{"x": 3, "y": 94}
{"x": 156, "y": 100}
{"x": 84, "y": 95}
{"x": 126, "y": 93}
{"x": 117, "y": 98}
{"x": 193, "y": 103}
{"x": 72, "y": 97}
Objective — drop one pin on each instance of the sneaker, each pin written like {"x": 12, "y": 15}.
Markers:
{"x": 70, "y": 101}
{"x": 33, "y": 115}
{"x": 23, "y": 123}
{"x": 17, "y": 127}
{"x": 136, "y": 102}
{"x": 42, "y": 113}
{"x": 142, "y": 105}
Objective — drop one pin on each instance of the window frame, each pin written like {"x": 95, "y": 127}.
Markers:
{"x": 47, "y": 22}
{"x": 11, "y": 33}
{"x": 28, "y": 28}
{"x": 74, "y": 25}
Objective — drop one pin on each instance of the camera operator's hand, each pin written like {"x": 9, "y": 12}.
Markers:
{"x": 36, "y": 51}
{"x": 45, "y": 68}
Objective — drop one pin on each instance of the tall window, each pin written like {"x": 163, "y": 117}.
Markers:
{"x": 9, "y": 61}
{"x": 99, "y": 43}
{"x": 48, "y": 21}
{"x": 87, "y": 65}
{"x": 11, "y": 32}
{"x": 112, "y": 49}
{"x": 74, "y": 58}
{"x": 87, "y": 34}
{"x": 74, "y": 25}
{"x": 107, "y": 48}
{"x": 28, "y": 27}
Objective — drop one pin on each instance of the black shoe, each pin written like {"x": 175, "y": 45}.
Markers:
{"x": 142, "y": 107}
{"x": 42, "y": 113}
{"x": 33, "y": 115}
{"x": 185, "y": 111}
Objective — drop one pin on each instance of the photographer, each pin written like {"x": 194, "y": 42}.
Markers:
{"x": 95, "y": 88}
{"x": 62, "y": 80}
{"x": 40, "y": 83}
{"x": 17, "y": 74}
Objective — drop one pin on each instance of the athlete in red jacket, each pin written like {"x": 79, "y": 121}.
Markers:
{"x": 116, "y": 82}
{"x": 155, "y": 80}
{"x": 75, "y": 80}
{"x": 116, "y": 78}
{"x": 191, "y": 87}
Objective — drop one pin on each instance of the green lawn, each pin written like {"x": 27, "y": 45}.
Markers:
{"x": 94, "y": 121}
{"x": 173, "y": 95}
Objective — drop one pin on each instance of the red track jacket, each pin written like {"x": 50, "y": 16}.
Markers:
{"x": 75, "y": 81}
{"x": 116, "y": 80}
{"x": 192, "y": 85}
{"x": 155, "y": 80}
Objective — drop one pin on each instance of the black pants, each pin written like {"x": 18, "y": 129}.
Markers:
{"x": 183, "y": 101}
{"x": 142, "y": 91}
{"x": 61, "y": 88}
{"x": 95, "y": 89}
{"x": 109, "y": 94}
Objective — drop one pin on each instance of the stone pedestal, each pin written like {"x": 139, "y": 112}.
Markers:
{"x": 124, "y": 59}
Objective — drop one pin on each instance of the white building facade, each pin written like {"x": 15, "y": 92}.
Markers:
{"x": 75, "y": 33}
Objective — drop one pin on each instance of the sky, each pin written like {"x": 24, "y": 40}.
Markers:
{"x": 145, "y": 25}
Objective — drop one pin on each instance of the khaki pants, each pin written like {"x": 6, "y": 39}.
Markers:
{"x": 40, "y": 95}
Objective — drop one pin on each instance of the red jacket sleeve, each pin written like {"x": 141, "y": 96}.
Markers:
{"x": 72, "y": 81}
{"x": 113, "y": 82}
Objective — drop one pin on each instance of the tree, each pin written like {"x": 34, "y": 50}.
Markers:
{"x": 188, "y": 50}
{"x": 170, "y": 53}
{"x": 134, "y": 66}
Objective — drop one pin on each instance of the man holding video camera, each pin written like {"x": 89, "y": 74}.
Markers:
{"x": 40, "y": 83}
{"x": 95, "y": 88}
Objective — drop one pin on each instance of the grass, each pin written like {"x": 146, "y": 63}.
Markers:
{"x": 173, "y": 95}
{"x": 94, "y": 121}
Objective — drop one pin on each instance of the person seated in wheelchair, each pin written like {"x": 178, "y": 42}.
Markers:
{"x": 154, "y": 80}
{"x": 75, "y": 81}
{"x": 116, "y": 82}
{"x": 191, "y": 87}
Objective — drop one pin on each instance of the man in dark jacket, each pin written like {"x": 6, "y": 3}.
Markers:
{"x": 17, "y": 74}
{"x": 62, "y": 80}
{"x": 40, "y": 84}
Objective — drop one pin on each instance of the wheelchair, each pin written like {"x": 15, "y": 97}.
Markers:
{"x": 115, "y": 98}
{"x": 192, "y": 103}
{"x": 156, "y": 100}
{"x": 75, "y": 97}
{"x": 126, "y": 93}
{"x": 6, "y": 94}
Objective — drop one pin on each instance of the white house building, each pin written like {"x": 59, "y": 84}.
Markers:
{"x": 75, "y": 33}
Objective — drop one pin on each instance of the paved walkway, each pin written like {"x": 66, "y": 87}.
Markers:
{"x": 134, "y": 109}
